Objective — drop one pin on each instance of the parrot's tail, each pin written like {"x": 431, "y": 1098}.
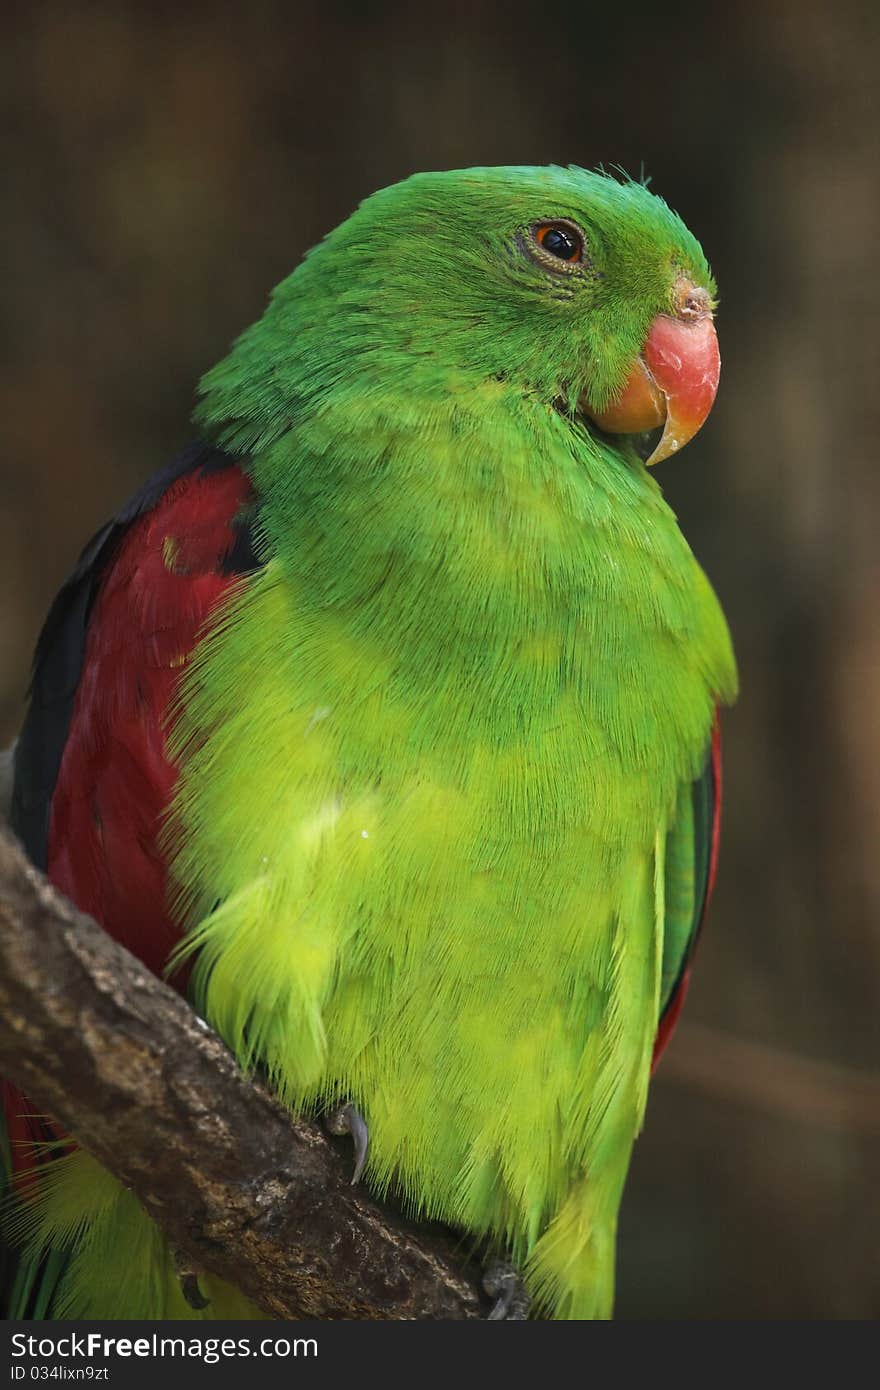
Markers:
{"x": 91, "y": 1251}
{"x": 571, "y": 1270}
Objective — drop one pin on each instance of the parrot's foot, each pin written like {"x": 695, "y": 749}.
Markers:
{"x": 346, "y": 1119}
{"x": 188, "y": 1276}
{"x": 503, "y": 1282}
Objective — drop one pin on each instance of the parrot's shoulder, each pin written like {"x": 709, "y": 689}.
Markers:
{"x": 144, "y": 579}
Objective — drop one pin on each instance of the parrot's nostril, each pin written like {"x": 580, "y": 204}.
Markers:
{"x": 692, "y": 301}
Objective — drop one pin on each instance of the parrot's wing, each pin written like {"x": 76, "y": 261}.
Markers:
{"x": 192, "y": 491}
{"x": 91, "y": 779}
{"x": 691, "y": 859}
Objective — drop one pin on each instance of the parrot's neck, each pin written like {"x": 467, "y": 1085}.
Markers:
{"x": 471, "y": 533}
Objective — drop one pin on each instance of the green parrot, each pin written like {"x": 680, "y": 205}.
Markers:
{"x": 384, "y": 717}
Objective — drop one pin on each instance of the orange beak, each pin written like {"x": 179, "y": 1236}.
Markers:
{"x": 674, "y": 380}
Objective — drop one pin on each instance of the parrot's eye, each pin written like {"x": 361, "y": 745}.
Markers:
{"x": 561, "y": 240}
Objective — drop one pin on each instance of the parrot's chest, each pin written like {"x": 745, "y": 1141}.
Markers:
{"x": 461, "y": 820}
{"x": 466, "y": 728}
{"x": 492, "y": 778}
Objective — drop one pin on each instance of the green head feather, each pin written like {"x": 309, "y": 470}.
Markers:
{"x": 439, "y": 279}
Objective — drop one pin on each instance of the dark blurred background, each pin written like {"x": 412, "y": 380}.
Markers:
{"x": 167, "y": 164}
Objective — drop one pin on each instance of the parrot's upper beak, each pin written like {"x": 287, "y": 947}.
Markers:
{"x": 673, "y": 381}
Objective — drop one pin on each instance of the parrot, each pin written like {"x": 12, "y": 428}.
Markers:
{"x": 384, "y": 722}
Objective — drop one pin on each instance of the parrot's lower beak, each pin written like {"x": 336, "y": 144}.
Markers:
{"x": 672, "y": 383}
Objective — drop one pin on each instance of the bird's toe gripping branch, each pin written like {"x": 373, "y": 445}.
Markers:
{"x": 503, "y": 1282}
{"x": 347, "y": 1119}
{"x": 188, "y": 1276}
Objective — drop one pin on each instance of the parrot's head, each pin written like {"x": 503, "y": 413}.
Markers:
{"x": 580, "y": 290}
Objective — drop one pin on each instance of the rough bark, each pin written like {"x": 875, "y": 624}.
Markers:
{"x": 240, "y": 1187}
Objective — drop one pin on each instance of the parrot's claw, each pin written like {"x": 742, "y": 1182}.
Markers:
{"x": 503, "y": 1282}
{"x": 347, "y": 1119}
{"x": 189, "y": 1281}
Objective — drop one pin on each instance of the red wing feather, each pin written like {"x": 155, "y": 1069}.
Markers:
{"x": 106, "y": 671}
{"x": 115, "y": 781}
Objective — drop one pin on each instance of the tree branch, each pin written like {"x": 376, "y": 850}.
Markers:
{"x": 260, "y": 1199}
